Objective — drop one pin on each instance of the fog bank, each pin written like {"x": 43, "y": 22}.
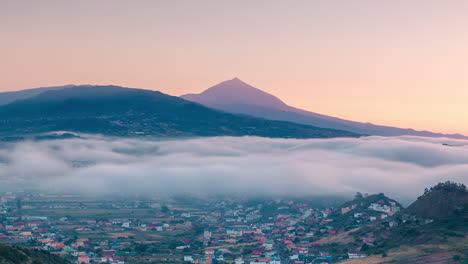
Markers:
{"x": 400, "y": 167}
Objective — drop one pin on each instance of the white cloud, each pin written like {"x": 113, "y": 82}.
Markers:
{"x": 400, "y": 167}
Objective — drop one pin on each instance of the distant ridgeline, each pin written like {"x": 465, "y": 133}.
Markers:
{"x": 119, "y": 111}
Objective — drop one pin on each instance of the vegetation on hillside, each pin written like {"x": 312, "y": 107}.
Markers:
{"x": 16, "y": 255}
{"x": 118, "y": 111}
{"x": 437, "y": 220}
{"x": 444, "y": 200}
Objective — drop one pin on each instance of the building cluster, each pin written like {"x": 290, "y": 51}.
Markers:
{"x": 134, "y": 230}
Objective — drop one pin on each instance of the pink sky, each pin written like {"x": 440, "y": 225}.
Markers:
{"x": 401, "y": 63}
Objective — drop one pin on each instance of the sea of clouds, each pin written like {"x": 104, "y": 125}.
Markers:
{"x": 400, "y": 167}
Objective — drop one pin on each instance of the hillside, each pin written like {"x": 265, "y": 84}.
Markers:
{"x": 364, "y": 209}
{"x": 9, "y": 97}
{"x": 445, "y": 200}
{"x": 436, "y": 220}
{"x": 118, "y": 111}
{"x": 236, "y": 96}
{"x": 16, "y": 255}
{"x": 432, "y": 229}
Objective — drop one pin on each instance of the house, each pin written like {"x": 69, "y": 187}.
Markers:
{"x": 233, "y": 232}
{"x": 81, "y": 242}
{"x": 188, "y": 259}
{"x": 268, "y": 244}
{"x": 109, "y": 252}
{"x": 239, "y": 261}
{"x": 345, "y": 210}
{"x": 209, "y": 254}
{"x": 355, "y": 255}
{"x": 106, "y": 259}
{"x": 256, "y": 253}
{"x": 183, "y": 247}
{"x": 206, "y": 234}
{"x": 57, "y": 245}
{"x": 275, "y": 261}
{"x": 83, "y": 259}
{"x": 392, "y": 223}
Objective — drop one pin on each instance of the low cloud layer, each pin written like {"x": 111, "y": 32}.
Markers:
{"x": 401, "y": 167}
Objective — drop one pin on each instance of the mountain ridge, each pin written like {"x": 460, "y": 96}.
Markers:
{"x": 230, "y": 96}
{"x": 121, "y": 111}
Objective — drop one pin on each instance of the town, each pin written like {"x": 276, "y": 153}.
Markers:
{"x": 133, "y": 229}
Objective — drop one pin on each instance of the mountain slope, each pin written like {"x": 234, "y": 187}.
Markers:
{"x": 445, "y": 200}
{"x": 113, "y": 110}
{"x": 361, "y": 204}
{"x": 431, "y": 230}
{"x": 438, "y": 218}
{"x": 17, "y": 255}
{"x": 9, "y": 97}
{"x": 235, "y": 96}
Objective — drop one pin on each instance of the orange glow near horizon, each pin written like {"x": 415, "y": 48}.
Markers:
{"x": 397, "y": 63}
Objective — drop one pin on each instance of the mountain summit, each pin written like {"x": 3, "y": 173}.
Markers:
{"x": 236, "y": 92}
{"x": 236, "y": 96}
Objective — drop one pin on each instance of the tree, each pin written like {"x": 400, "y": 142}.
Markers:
{"x": 140, "y": 248}
{"x": 364, "y": 247}
{"x": 358, "y": 195}
{"x": 165, "y": 209}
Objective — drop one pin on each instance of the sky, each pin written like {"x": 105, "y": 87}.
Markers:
{"x": 400, "y": 167}
{"x": 399, "y": 63}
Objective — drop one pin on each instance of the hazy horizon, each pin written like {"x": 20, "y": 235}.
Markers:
{"x": 395, "y": 63}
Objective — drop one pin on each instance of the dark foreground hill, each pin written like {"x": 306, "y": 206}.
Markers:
{"x": 436, "y": 223}
{"x": 437, "y": 216}
{"x": 445, "y": 200}
{"x": 16, "y": 255}
{"x": 118, "y": 111}
{"x": 433, "y": 229}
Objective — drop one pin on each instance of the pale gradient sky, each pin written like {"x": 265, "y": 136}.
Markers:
{"x": 401, "y": 63}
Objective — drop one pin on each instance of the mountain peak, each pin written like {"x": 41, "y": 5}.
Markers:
{"x": 236, "y": 92}
{"x": 236, "y": 80}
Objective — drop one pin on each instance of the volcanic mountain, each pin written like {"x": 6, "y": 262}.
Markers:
{"x": 236, "y": 96}
{"x": 119, "y": 111}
